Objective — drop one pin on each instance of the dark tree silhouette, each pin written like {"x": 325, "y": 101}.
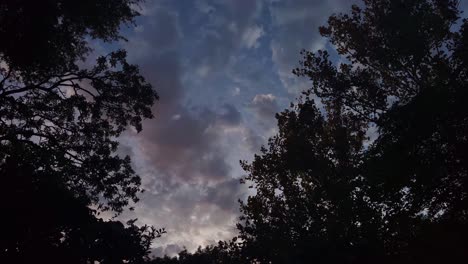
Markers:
{"x": 223, "y": 253}
{"x": 59, "y": 125}
{"x": 308, "y": 204}
{"x": 327, "y": 194}
{"x": 70, "y": 122}
{"x": 50, "y": 35}
{"x": 44, "y": 222}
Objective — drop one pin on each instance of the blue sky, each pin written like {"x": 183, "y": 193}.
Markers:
{"x": 222, "y": 69}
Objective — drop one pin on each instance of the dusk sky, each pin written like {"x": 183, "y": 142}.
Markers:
{"x": 222, "y": 70}
{"x": 126, "y": 125}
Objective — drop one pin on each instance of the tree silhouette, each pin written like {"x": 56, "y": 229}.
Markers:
{"x": 308, "y": 204}
{"x": 46, "y": 222}
{"x": 59, "y": 125}
{"x": 70, "y": 123}
{"x": 48, "y": 36}
{"x": 224, "y": 252}
{"x": 328, "y": 194}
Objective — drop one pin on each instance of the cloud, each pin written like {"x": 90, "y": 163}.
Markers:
{"x": 264, "y": 105}
{"x": 251, "y": 36}
{"x": 229, "y": 115}
{"x": 204, "y": 7}
{"x": 193, "y": 214}
{"x": 187, "y": 148}
{"x": 221, "y": 28}
{"x": 194, "y": 54}
{"x": 236, "y": 91}
{"x": 295, "y": 27}
{"x": 253, "y": 140}
{"x": 180, "y": 154}
{"x": 170, "y": 250}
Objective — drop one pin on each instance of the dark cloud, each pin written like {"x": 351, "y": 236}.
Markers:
{"x": 225, "y": 26}
{"x": 265, "y": 106}
{"x": 229, "y": 115}
{"x": 253, "y": 140}
{"x": 222, "y": 194}
{"x": 180, "y": 142}
{"x": 185, "y": 144}
{"x": 295, "y": 26}
{"x": 156, "y": 51}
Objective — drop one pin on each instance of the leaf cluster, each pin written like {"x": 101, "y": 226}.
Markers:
{"x": 326, "y": 191}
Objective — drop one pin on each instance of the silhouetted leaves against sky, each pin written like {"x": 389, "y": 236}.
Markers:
{"x": 60, "y": 120}
{"x": 322, "y": 195}
{"x": 50, "y": 36}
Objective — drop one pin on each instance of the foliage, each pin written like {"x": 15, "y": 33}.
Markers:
{"x": 70, "y": 123}
{"x": 224, "y": 252}
{"x": 308, "y": 202}
{"x": 59, "y": 124}
{"x": 327, "y": 193}
{"x": 48, "y": 36}
{"x": 46, "y": 222}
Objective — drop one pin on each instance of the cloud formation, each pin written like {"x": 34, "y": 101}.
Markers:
{"x": 251, "y": 36}
{"x": 265, "y": 105}
{"x": 295, "y": 25}
{"x": 222, "y": 70}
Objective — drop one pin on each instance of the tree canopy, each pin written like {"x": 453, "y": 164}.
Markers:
{"x": 328, "y": 193}
{"x": 229, "y": 252}
{"x": 59, "y": 124}
{"x": 50, "y": 35}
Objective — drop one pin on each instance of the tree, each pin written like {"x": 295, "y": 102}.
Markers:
{"x": 71, "y": 121}
{"x": 400, "y": 196}
{"x": 308, "y": 205}
{"x": 229, "y": 252}
{"x": 59, "y": 125}
{"x": 46, "y": 222}
{"x": 48, "y": 36}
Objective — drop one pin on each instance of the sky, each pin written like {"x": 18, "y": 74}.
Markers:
{"x": 222, "y": 70}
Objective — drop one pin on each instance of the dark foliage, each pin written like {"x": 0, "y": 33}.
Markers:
{"x": 328, "y": 194}
{"x": 308, "y": 203}
{"x": 71, "y": 121}
{"x": 59, "y": 125}
{"x": 45, "y": 222}
{"x": 222, "y": 253}
{"x": 49, "y": 35}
